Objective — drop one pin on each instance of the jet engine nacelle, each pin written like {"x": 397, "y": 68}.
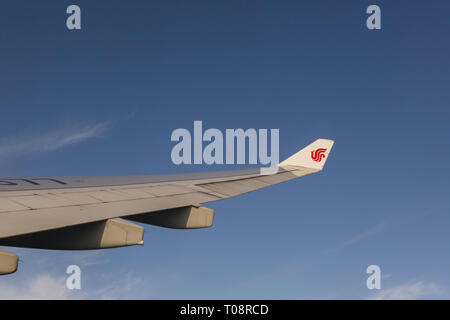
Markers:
{"x": 109, "y": 233}
{"x": 8, "y": 262}
{"x": 179, "y": 218}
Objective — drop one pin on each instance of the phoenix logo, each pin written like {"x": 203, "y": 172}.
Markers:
{"x": 318, "y": 154}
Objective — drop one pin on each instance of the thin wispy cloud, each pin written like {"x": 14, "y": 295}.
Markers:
{"x": 122, "y": 288}
{"x": 411, "y": 291}
{"x": 41, "y": 287}
{"x": 364, "y": 235}
{"x": 376, "y": 229}
{"x": 11, "y": 147}
{"x": 46, "y": 286}
{"x": 393, "y": 221}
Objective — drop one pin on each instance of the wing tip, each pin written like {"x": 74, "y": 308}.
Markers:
{"x": 312, "y": 156}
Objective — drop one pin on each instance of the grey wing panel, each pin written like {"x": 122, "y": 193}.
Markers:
{"x": 235, "y": 187}
{"x": 51, "y": 183}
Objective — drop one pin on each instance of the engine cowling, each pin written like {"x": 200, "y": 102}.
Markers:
{"x": 179, "y": 218}
{"x": 109, "y": 233}
{"x": 8, "y": 262}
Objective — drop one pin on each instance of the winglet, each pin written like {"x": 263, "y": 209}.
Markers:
{"x": 313, "y": 156}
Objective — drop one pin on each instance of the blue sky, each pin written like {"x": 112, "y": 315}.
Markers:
{"x": 104, "y": 100}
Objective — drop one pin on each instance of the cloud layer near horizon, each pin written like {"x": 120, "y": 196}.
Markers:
{"x": 411, "y": 291}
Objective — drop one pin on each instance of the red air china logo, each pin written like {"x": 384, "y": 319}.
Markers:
{"x": 318, "y": 154}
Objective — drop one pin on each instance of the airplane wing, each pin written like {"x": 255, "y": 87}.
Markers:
{"x": 72, "y": 213}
